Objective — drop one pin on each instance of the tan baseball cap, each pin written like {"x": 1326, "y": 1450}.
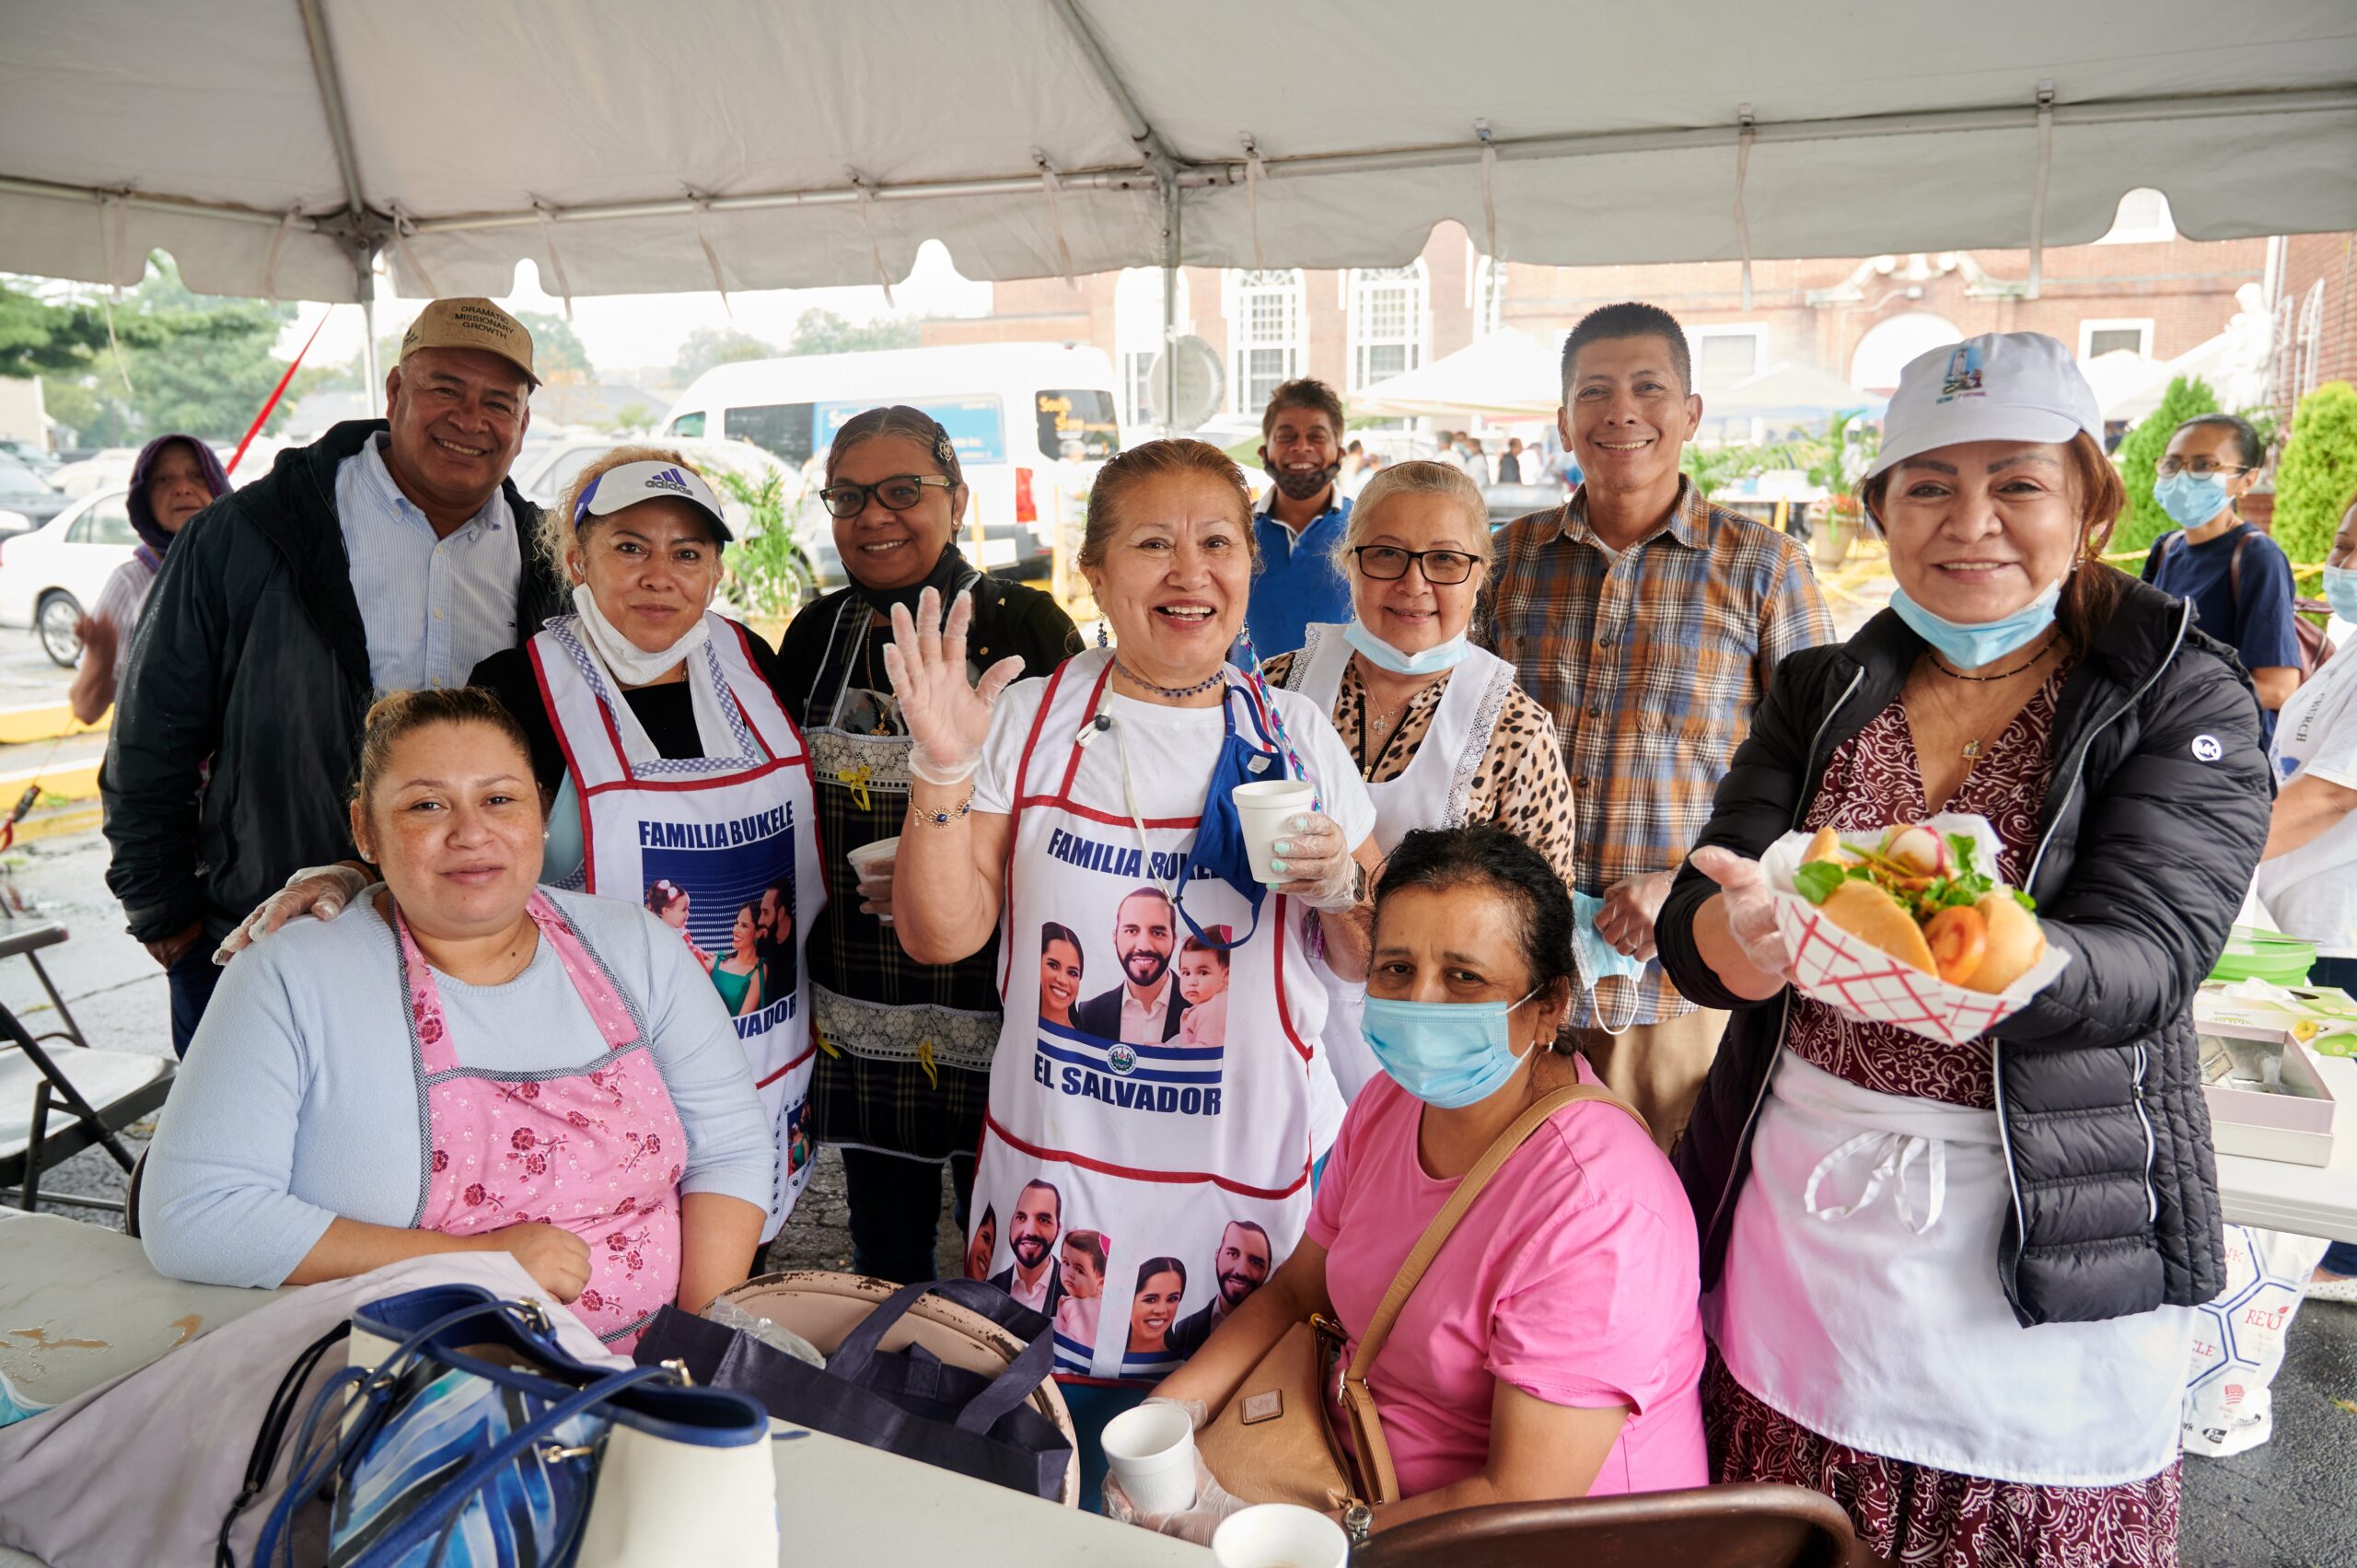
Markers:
{"x": 471, "y": 323}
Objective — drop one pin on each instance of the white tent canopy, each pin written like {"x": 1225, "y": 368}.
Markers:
{"x": 277, "y": 145}
{"x": 1509, "y": 375}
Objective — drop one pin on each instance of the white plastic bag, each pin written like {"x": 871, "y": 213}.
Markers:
{"x": 1854, "y": 977}
{"x": 2238, "y": 1340}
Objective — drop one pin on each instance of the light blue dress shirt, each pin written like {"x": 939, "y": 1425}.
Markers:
{"x": 433, "y": 608}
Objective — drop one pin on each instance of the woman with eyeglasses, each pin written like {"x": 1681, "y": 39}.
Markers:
{"x": 1441, "y": 733}
{"x": 2238, "y": 580}
{"x": 905, "y": 1047}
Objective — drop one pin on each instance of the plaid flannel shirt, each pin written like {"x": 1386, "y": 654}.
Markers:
{"x": 1652, "y": 662}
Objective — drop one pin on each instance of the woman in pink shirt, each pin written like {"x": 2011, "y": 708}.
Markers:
{"x": 1555, "y": 1347}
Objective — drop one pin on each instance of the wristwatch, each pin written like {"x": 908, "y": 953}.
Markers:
{"x": 1358, "y": 1522}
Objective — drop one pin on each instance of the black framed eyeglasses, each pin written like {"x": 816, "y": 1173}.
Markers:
{"x": 2199, "y": 468}
{"x": 1442, "y": 568}
{"x": 900, "y": 492}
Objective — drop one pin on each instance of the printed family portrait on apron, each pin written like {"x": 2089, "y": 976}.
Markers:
{"x": 723, "y": 848}
{"x": 1141, "y": 1131}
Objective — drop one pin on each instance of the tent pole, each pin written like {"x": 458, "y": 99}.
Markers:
{"x": 330, "y": 85}
{"x": 372, "y": 384}
{"x": 1169, "y": 307}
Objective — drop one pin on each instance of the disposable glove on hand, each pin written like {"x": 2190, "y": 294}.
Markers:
{"x": 1750, "y": 908}
{"x": 317, "y": 890}
{"x": 1212, "y": 1503}
{"x": 948, "y": 715}
{"x": 1317, "y": 865}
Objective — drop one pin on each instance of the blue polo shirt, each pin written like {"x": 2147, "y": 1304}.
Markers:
{"x": 2257, "y": 625}
{"x": 1298, "y": 584}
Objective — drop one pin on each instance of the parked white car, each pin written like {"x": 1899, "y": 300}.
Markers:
{"x": 51, "y": 577}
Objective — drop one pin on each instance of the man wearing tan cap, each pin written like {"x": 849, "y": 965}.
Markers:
{"x": 388, "y": 554}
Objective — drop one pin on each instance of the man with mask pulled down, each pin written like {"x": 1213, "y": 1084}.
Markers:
{"x": 1301, "y": 519}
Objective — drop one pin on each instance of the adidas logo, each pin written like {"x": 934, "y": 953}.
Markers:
{"x": 669, "y": 479}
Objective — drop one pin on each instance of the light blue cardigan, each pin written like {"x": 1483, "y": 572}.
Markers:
{"x": 299, "y": 1100}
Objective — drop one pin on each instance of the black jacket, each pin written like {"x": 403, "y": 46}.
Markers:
{"x": 2148, "y": 836}
{"x": 250, "y": 652}
{"x": 1101, "y": 1015}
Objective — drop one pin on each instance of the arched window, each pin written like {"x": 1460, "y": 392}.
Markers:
{"x": 1137, "y": 337}
{"x": 1265, "y": 332}
{"x": 1883, "y": 352}
{"x": 1489, "y": 295}
{"x": 1391, "y": 321}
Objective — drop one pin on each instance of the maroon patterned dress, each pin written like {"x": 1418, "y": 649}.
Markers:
{"x": 1917, "y": 1515}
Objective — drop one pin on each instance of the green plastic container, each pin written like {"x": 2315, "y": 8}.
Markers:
{"x": 2264, "y": 955}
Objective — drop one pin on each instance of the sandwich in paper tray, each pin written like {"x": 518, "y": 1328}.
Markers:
{"x": 1910, "y": 926}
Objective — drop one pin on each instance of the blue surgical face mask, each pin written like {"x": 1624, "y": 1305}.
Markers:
{"x": 1600, "y": 960}
{"x": 2191, "y": 502}
{"x": 1450, "y": 1054}
{"x": 2341, "y": 590}
{"x": 1969, "y": 647}
{"x": 1432, "y": 661}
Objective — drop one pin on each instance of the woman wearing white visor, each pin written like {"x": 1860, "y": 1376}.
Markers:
{"x": 677, "y": 780}
{"x": 655, "y": 724}
{"x": 1949, "y": 1284}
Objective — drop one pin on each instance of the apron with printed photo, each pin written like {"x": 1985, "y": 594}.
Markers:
{"x": 1149, "y": 1093}
{"x": 738, "y": 833}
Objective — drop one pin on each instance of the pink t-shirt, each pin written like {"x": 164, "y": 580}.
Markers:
{"x": 1574, "y": 1277}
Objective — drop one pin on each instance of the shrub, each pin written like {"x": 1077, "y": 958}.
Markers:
{"x": 2141, "y": 449}
{"x": 2317, "y": 476}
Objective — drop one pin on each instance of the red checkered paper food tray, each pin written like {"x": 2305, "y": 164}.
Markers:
{"x": 1854, "y": 977}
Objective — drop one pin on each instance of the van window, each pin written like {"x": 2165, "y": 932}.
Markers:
{"x": 783, "y": 429}
{"x": 688, "y": 424}
{"x": 1078, "y": 424}
{"x": 975, "y": 424}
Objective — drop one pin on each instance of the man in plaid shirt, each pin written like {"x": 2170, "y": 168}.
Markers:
{"x": 1648, "y": 622}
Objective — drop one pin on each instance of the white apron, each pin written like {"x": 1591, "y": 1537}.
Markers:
{"x": 1157, "y": 1148}
{"x": 1860, "y": 1299}
{"x": 1432, "y": 792}
{"x": 725, "y": 828}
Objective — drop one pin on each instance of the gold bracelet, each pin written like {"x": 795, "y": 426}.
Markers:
{"x": 943, "y": 819}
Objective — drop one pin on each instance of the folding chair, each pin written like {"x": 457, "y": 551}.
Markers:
{"x": 1714, "y": 1526}
{"x": 96, "y": 1094}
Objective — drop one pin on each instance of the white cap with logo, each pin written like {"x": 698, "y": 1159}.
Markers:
{"x": 631, "y": 483}
{"x": 1997, "y": 387}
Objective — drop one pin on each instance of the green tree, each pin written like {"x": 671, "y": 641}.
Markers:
{"x": 2318, "y": 478}
{"x": 556, "y": 349}
{"x": 38, "y": 338}
{"x": 708, "y": 346}
{"x": 823, "y": 332}
{"x": 631, "y": 417}
{"x": 197, "y": 364}
{"x": 2141, "y": 448}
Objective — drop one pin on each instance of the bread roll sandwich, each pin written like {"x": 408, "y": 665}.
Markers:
{"x": 1920, "y": 896}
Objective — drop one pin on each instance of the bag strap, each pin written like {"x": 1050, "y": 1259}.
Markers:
{"x": 2234, "y": 579}
{"x": 1436, "y": 1234}
{"x": 267, "y": 1442}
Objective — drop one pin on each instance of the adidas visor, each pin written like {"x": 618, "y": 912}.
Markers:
{"x": 634, "y": 482}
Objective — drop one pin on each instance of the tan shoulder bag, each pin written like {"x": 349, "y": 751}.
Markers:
{"x": 1272, "y": 1442}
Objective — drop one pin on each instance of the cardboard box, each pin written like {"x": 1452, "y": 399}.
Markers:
{"x": 2292, "y": 1123}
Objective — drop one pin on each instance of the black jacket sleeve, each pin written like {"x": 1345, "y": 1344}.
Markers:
{"x": 2164, "y": 854}
{"x": 168, "y": 721}
{"x": 1753, "y": 808}
{"x": 507, "y": 675}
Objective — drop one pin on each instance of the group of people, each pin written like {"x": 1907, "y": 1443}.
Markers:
{"x": 578, "y": 912}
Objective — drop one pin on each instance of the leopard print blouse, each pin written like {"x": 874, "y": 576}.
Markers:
{"x": 1521, "y": 784}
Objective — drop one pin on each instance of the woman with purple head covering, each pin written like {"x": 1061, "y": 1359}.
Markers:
{"x": 176, "y": 477}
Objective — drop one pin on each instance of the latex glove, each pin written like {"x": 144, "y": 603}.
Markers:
{"x": 1212, "y": 1503}
{"x": 317, "y": 890}
{"x": 1629, "y": 909}
{"x": 1319, "y": 869}
{"x": 948, "y": 715}
{"x": 1198, "y": 1413}
{"x": 1750, "y": 908}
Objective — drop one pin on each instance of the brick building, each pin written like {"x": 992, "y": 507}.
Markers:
{"x": 2140, "y": 288}
{"x": 2316, "y": 324}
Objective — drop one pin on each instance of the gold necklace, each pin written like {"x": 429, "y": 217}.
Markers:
{"x": 1977, "y": 745}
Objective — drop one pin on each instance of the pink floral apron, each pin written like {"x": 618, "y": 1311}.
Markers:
{"x": 597, "y": 1153}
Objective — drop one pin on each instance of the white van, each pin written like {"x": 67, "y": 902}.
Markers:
{"x": 1029, "y": 419}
